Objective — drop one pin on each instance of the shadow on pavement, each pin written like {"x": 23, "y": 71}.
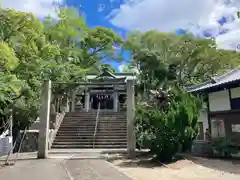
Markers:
{"x": 229, "y": 166}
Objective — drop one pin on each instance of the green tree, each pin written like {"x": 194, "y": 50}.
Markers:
{"x": 192, "y": 59}
{"x": 107, "y": 66}
{"x": 167, "y": 117}
{"x": 168, "y": 124}
{"x": 31, "y": 51}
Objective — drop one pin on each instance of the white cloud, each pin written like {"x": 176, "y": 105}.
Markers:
{"x": 169, "y": 15}
{"x": 121, "y": 67}
{"x": 101, "y": 7}
{"x": 40, "y": 8}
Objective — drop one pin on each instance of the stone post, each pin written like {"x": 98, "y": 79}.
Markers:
{"x": 87, "y": 101}
{"x": 73, "y": 101}
{"x": 67, "y": 104}
{"x": 115, "y": 101}
{"x": 131, "y": 138}
{"x": 57, "y": 104}
{"x": 43, "y": 136}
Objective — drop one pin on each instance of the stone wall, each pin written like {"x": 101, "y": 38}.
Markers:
{"x": 201, "y": 148}
{"x": 30, "y": 141}
{"x": 5, "y": 145}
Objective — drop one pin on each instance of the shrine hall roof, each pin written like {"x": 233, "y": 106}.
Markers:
{"x": 106, "y": 75}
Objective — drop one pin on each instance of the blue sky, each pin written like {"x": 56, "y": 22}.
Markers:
{"x": 205, "y": 18}
{"x": 96, "y": 13}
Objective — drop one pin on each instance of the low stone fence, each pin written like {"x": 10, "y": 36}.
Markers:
{"x": 205, "y": 148}
{"x": 5, "y": 145}
{"x": 201, "y": 148}
{"x": 30, "y": 141}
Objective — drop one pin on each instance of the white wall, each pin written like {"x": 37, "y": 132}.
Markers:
{"x": 219, "y": 101}
{"x": 235, "y": 92}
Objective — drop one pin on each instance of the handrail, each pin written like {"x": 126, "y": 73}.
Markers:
{"x": 96, "y": 124}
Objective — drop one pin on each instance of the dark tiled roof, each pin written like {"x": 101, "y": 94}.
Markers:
{"x": 109, "y": 80}
{"x": 231, "y": 76}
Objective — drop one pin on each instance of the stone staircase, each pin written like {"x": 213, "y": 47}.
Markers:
{"x": 77, "y": 130}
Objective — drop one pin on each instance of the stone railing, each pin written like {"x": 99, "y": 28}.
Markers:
{"x": 55, "y": 122}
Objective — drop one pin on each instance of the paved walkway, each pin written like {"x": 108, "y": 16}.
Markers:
{"x": 60, "y": 169}
{"x": 94, "y": 170}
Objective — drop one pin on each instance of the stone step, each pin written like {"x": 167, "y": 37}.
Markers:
{"x": 79, "y": 125}
{"x": 91, "y": 128}
{"x": 90, "y": 140}
{"x": 86, "y": 134}
{"x": 84, "y": 143}
{"x": 66, "y": 137}
{"x": 92, "y": 124}
{"x": 94, "y": 115}
{"x": 94, "y": 119}
{"x": 87, "y": 142}
{"x": 102, "y": 130}
{"x": 91, "y": 133}
{"x": 95, "y": 112}
{"x": 89, "y": 146}
{"x": 62, "y": 128}
{"x": 99, "y": 136}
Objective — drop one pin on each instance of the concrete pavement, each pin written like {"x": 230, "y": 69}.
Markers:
{"x": 60, "y": 167}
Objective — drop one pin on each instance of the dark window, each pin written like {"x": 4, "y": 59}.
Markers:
{"x": 235, "y": 103}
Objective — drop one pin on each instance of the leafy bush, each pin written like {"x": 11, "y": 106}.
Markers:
{"x": 169, "y": 130}
{"x": 223, "y": 147}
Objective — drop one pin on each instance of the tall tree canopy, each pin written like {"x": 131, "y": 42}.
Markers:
{"x": 185, "y": 58}
{"x": 31, "y": 50}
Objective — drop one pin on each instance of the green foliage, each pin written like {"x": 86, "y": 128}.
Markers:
{"x": 62, "y": 50}
{"x": 167, "y": 117}
{"x": 187, "y": 59}
{"x": 223, "y": 147}
{"x": 107, "y": 66}
{"x": 166, "y": 131}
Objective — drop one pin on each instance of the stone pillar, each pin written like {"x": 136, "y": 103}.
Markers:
{"x": 67, "y": 105}
{"x": 73, "y": 105}
{"x": 57, "y": 104}
{"x": 131, "y": 138}
{"x": 115, "y": 101}
{"x": 43, "y": 136}
{"x": 87, "y": 101}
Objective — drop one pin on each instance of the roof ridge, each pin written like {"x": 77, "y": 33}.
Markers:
{"x": 199, "y": 85}
{"x": 214, "y": 80}
{"x": 219, "y": 78}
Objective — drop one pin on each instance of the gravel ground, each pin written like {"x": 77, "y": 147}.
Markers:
{"x": 199, "y": 169}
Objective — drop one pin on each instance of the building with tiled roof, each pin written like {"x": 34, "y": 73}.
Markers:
{"x": 222, "y": 113}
